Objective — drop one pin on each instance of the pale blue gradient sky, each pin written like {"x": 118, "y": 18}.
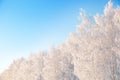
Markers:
{"x": 29, "y": 26}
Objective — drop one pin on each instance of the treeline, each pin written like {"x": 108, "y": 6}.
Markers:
{"x": 92, "y": 53}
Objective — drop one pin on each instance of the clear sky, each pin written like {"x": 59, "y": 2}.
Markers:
{"x": 29, "y": 26}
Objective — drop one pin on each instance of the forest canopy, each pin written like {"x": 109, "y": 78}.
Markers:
{"x": 92, "y": 53}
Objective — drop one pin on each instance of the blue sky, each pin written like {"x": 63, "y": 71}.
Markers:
{"x": 29, "y": 26}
